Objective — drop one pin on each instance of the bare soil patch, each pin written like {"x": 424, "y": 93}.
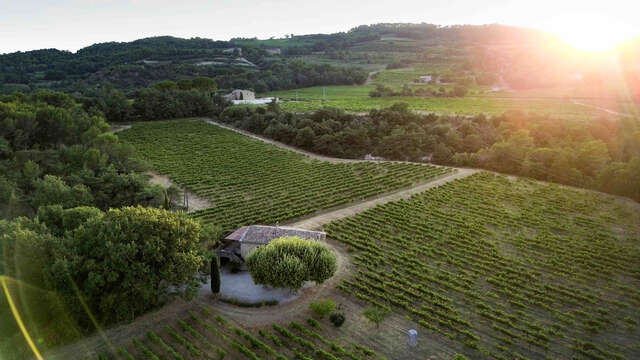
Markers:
{"x": 195, "y": 202}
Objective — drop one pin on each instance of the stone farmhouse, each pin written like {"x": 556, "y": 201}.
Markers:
{"x": 239, "y": 94}
{"x": 237, "y": 245}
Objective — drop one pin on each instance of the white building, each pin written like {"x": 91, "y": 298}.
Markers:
{"x": 239, "y": 94}
{"x": 426, "y": 79}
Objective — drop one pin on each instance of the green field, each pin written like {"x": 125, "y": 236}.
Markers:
{"x": 507, "y": 269}
{"x": 398, "y": 77}
{"x": 357, "y": 99}
{"x": 251, "y": 182}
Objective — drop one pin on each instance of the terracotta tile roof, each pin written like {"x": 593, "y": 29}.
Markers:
{"x": 261, "y": 234}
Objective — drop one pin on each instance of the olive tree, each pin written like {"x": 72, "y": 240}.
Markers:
{"x": 290, "y": 261}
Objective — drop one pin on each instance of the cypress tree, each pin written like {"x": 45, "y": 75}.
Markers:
{"x": 215, "y": 274}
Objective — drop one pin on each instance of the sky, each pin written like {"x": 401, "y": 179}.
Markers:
{"x": 73, "y": 24}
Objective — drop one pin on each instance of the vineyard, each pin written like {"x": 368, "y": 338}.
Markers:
{"x": 204, "y": 335}
{"x": 249, "y": 182}
{"x": 505, "y": 269}
{"x": 357, "y": 99}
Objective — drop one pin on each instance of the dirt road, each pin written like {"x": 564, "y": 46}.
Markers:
{"x": 608, "y": 111}
{"x": 116, "y": 128}
{"x": 369, "y": 80}
{"x": 278, "y": 144}
{"x": 318, "y": 220}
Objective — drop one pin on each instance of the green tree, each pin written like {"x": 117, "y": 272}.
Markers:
{"x": 290, "y": 261}
{"x": 322, "y": 308}
{"x": 305, "y": 137}
{"x": 52, "y": 190}
{"x": 215, "y": 274}
{"x": 376, "y": 315}
{"x": 460, "y": 91}
{"x": 126, "y": 262}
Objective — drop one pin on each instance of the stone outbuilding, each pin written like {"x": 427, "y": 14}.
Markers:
{"x": 239, "y": 94}
{"x": 238, "y": 244}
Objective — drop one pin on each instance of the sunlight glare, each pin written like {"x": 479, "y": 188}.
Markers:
{"x": 589, "y": 32}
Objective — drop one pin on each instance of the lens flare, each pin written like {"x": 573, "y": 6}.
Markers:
{"x": 16, "y": 315}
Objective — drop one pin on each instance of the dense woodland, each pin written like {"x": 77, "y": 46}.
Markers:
{"x": 76, "y": 206}
{"x": 138, "y": 64}
{"x": 602, "y": 154}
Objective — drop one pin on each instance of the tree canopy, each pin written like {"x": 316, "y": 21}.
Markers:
{"x": 53, "y": 152}
{"x": 289, "y": 262}
{"x": 106, "y": 266}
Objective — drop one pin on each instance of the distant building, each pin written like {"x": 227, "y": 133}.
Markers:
{"x": 258, "y": 101}
{"x": 231, "y": 50}
{"x": 426, "y": 79}
{"x": 239, "y": 94}
{"x": 373, "y": 158}
{"x": 237, "y": 245}
{"x": 274, "y": 51}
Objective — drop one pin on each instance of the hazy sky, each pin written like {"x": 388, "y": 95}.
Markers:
{"x": 72, "y": 24}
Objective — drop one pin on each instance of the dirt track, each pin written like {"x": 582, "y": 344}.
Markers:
{"x": 317, "y": 221}
{"x": 279, "y": 144}
{"x": 608, "y": 111}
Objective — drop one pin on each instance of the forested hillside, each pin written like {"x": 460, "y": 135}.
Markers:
{"x": 134, "y": 65}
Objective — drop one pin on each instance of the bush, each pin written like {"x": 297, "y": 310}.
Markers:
{"x": 215, "y": 274}
{"x": 459, "y": 357}
{"x": 246, "y": 304}
{"x": 337, "y": 319}
{"x": 235, "y": 267}
{"x": 376, "y": 315}
{"x": 290, "y": 261}
{"x": 322, "y": 308}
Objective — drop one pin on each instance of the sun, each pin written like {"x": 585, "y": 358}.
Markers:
{"x": 590, "y": 32}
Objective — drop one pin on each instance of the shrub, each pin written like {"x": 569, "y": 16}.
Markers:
{"x": 337, "y": 319}
{"x": 215, "y": 274}
{"x": 375, "y": 315}
{"x": 313, "y": 323}
{"x": 459, "y": 357}
{"x": 235, "y": 267}
{"x": 240, "y": 303}
{"x": 290, "y": 261}
{"x": 322, "y": 308}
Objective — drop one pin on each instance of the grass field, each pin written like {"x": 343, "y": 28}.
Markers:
{"x": 505, "y": 269}
{"x": 399, "y": 77}
{"x": 251, "y": 182}
{"x": 356, "y": 99}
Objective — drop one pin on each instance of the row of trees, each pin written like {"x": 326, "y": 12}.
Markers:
{"x": 601, "y": 154}
{"x": 162, "y": 100}
{"x": 386, "y": 91}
